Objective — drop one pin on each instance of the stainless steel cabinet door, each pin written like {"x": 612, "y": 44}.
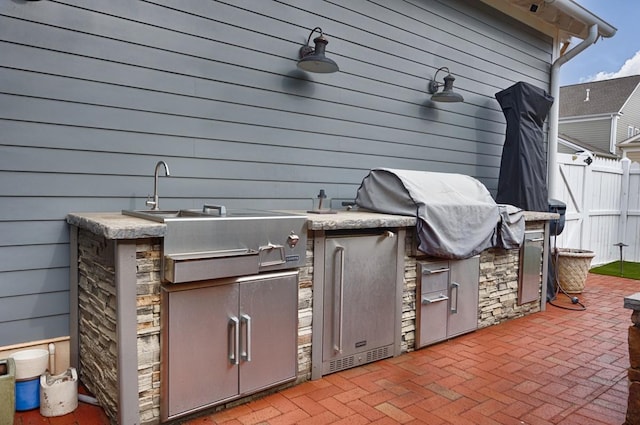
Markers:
{"x": 359, "y": 294}
{"x": 201, "y": 367}
{"x": 463, "y": 296}
{"x": 269, "y": 331}
{"x": 530, "y": 267}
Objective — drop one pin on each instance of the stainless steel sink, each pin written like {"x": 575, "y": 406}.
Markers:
{"x": 163, "y": 216}
{"x": 213, "y": 242}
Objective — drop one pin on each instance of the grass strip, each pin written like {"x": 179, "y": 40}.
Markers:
{"x": 630, "y": 270}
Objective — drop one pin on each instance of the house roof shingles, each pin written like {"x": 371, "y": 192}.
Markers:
{"x": 605, "y": 97}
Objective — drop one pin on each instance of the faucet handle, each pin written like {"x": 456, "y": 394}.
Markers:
{"x": 149, "y": 202}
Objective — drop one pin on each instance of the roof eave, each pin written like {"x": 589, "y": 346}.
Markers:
{"x": 557, "y": 18}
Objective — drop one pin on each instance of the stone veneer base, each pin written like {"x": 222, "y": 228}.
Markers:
{"x": 498, "y": 288}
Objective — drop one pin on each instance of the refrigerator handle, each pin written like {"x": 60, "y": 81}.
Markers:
{"x": 233, "y": 340}
{"x": 454, "y": 304}
{"x": 246, "y": 352}
{"x": 337, "y": 347}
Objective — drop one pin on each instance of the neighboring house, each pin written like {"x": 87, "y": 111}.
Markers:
{"x": 631, "y": 147}
{"x": 570, "y": 145}
{"x": 600, "y": 115}
{"x": 94, "y": 93}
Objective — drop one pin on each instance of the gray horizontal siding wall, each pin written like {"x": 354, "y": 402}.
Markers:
{"x": 93, "y": 93}
{"x": 595, "y": 132}
{"x": 630, "y": 116}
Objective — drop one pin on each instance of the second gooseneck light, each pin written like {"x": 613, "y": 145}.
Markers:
{"x": 314, "y": 59}
{"x": 447, "y": 94}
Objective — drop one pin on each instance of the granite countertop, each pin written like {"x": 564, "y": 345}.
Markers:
{"x": 356, "y": 220}
{"x": 540, "y": 216}
{"x": 370, "y": 220}
{"x": 115, "y": 225}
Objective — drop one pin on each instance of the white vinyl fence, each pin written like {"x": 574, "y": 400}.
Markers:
{"x": 603, "y": 206}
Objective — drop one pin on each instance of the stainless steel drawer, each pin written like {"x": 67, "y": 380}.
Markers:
{"x": 433, "y": 276}
{"x": 433, "y": 317}
{"x": 447, "y": 299}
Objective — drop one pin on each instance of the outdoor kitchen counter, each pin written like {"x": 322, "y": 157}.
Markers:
{"x": 115, "y": 225}
{"x": 119, "y": 259}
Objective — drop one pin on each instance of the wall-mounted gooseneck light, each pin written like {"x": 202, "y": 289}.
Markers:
{"x": 314, "y": 60}
{"x": 447, "y": 94}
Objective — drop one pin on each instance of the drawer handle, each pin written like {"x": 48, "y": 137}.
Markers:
{"x": 430, "y": 271}
{"x": 535, "y": 240}
{"x": 440, "y": 298}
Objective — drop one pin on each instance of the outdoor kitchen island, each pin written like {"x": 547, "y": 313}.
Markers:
{"x": 116, "y": 300}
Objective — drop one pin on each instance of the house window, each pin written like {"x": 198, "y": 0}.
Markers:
{"x": 630, "y": 130}
{"x": 637, "y": 131}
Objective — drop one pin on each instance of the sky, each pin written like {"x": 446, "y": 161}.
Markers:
{"x": 618, "y": 56}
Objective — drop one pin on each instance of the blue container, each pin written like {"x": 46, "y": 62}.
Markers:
{"x": 28, "y": 394}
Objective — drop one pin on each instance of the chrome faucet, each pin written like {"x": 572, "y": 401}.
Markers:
{"x": 154, "y": 204}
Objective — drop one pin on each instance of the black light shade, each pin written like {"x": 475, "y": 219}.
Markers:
{"x": 447, "y": 94}
{"x": 314, "y": 60}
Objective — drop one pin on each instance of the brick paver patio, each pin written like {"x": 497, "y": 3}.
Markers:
{"x": 554, "y": 367}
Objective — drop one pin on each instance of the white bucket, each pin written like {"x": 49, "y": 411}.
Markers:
{"x": 59, "y": 393}
{"x": 30, "y": 363}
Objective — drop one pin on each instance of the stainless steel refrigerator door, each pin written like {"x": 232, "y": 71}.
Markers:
{"x": 359, "y": 294}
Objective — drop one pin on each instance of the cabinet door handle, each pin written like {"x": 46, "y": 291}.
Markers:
{"x": 454, "y": 304}
{"x": 337, "y": 347}
{"x": 535, "y": 240}
{"x": 246, "y": 352}
{"x": 234, "y": 340}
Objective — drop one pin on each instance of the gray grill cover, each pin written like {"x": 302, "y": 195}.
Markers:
{"x": 456, "y": 215}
